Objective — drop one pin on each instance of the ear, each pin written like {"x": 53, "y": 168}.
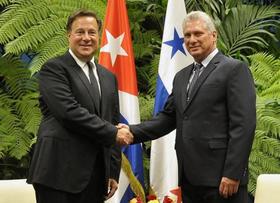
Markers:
{"x": 215, "y": 35}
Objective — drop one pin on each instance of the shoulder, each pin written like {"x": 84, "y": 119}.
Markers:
{"x": 57, "y": 66}
{"x": 230, "y": 65}
{"x": 231, "y": 62}
{"x": 59, "y": 63}
{"x": 236, "y": 69}
{"x": 60, "y": 60}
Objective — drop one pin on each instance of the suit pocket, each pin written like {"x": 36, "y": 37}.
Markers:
{"x": 218, "y": 144}
{"x": 211, "y": 85}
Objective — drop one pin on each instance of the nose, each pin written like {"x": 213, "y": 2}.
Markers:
{"x": 86, "y": 36}
{"x": 192, "y": 39}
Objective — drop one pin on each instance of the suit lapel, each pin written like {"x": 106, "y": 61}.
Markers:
{"x": 206, "y": 72}
{"x": 75, "y": 67}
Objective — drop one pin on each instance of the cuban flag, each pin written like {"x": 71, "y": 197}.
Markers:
{"x": 116, "y": 54}
{"x": 173, "y": 57}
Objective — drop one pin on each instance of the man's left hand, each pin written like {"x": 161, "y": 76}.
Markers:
{"x": 228, "y": 187}
{"x": 112, "y": 187}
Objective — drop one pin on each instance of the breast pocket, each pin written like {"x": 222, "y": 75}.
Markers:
{"x": 211, "y": 85}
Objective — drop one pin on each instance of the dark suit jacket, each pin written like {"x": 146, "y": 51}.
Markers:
{"x": 215, "y": 128}
{"x": 73, "y": 131}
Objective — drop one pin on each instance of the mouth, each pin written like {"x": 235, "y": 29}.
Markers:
{"x": 86, "y": 47}
{"x": 194, "y": 48}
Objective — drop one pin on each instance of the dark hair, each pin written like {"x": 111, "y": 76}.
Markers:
{"x": 82, "y": 13}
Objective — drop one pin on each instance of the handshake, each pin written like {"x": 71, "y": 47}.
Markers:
{"x": 124, "y": 136}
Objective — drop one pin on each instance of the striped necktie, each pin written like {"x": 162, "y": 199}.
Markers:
{"x": 197, "y": 68}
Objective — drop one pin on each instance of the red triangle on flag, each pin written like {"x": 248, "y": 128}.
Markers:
{"x": 116, "y": 51}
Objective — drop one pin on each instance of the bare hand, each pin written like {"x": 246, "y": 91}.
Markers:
{"x": 112, "y": 187}
{"x": 228, "y": 187}
{"x": 124, "y": 136}
{"x": 122, "y": 125}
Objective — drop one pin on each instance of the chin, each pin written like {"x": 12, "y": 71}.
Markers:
{"x": 195, "y": 55}
{"x": 87, "y": 54}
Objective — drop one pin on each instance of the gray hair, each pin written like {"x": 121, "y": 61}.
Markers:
{"x": 199, "y": 15}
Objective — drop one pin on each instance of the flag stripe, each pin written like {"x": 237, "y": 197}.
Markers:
{"x": 173, "y": 57}
{"x": 129, "y": 107}
{"x": 116, "y": 54}
{"x": 161, "y": 95}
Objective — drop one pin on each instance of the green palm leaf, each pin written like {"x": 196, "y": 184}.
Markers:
{"x": 38, "y": 34}
{"x": 244, "y": 28}
{"x": 28, "y": 14}
{"x": 19, "y": 108}
{"x": 54, "y": 47}
{"x": 265, "y": 154}
{"x": 266, "y": 71}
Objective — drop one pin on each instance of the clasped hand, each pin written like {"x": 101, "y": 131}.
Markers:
{"x": 124, "y": 136}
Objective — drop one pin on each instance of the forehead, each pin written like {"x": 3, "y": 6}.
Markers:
{"x": 195, "y": 25}
{"x": 85, "y": 21}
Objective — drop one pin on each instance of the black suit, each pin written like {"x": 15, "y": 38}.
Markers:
{"x": 74, "y": 134}
{"x": 215, "y": 128}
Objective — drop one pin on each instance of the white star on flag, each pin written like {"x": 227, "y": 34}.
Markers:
{"x": 114, "y": 46}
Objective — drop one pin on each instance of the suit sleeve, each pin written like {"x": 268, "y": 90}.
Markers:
{"x": 241, "y": 104}
{"x": 56, "y": 92}
{"x": 163, "y": 123}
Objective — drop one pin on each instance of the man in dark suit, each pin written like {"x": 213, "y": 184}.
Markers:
{"x": 76, "y": 159}
{"x": 212, "y": 108}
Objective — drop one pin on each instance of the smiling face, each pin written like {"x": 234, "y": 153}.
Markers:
{"x": 199, "y": 41}
{"x": 83, "y": 37}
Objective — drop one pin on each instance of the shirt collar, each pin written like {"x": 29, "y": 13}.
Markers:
{"x": 78, "y": 61}
{"x": 207, "y": 60}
